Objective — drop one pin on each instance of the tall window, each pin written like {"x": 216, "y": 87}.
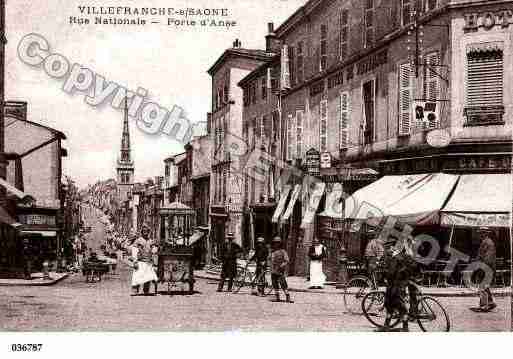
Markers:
{"x": 324, "y": 48}
{"x": 405, "y": 99}
{"x": 368, "y": 104}
{"x": 344, "y": 120}
{"x": 323, "y": 126}
{"x": 292, "y": 68}
{"x": 431, "y": 5}
{"x": 407, "y": 7}
{"x": 485, "y": 84}
{"x": 245, "y": 96}
{"x": 300, "y": 62}
{"x": 344, "y": 34}
{"x": 226, "y": 94}
{"x": 253, "y": 92}
{"x": 369, "y": 23}
{"x": 431, "y": 80}
{"x": 299, "y": 134}
{"x": 290, "y": 137}
{"x": 264, "y": 87}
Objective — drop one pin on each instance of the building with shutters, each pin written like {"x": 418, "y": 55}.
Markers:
{"x": 387, "y": 87}
{"x": 226, "y": 129}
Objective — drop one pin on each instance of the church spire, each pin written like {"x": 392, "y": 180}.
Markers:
{"x": 125, "y": 137}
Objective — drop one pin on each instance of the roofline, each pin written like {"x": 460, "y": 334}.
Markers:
{"x": 174, "y": 156}
{"x": 299, "y": 15}
{"x": 58, "y": 133}
{"x": 232, "y": 52}
{"x": 271, "y": 61}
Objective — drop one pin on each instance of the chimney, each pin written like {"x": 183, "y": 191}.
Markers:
{"x": 237, "y": 44}
{"x": 272, "y": 44}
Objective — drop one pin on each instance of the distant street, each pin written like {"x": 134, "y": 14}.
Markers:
{"x": 74, "y": 305}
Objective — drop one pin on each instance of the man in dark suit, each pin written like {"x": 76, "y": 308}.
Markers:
{"x": 487, "y": 255}
{"x": 229, "y": 256}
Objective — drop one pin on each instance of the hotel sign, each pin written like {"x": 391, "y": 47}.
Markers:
{"x": 37, "y": 219}
{"x": 488, "y": 19}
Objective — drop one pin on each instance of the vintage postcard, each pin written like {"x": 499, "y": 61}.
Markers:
{"x": 255, "y": 166}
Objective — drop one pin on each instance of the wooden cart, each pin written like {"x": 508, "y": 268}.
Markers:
{"x": 175, "y": 255}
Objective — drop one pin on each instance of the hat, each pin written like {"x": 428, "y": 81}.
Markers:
{"x": 260, "y": 240}
{"x": 276, "y": 239}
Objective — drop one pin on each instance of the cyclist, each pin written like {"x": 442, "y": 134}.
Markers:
{"x": 400, "y": 269}
{"x": 260, "y": 258}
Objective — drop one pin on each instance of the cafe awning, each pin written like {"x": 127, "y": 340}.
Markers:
{"x": 292, "y": 203}
{"x": 412, "y": 199}
{"x": 480, "y": 200}
{"x": 281, "y": 204}
{"x": 315, "y": 193}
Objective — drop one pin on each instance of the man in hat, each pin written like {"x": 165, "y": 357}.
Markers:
{"x": 400, "y": 268}
{"x": 279, "y": 263}
{"x": 260, "y": 258}
{"x": 229, "y": 254}
{"x": 487, "y": 255}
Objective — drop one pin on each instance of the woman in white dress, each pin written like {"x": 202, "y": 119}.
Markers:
{"x": 316, "y": 254}
{"x": 144, "y": 273}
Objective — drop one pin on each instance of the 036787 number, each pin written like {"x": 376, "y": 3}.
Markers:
{"x": 26, "y": 347}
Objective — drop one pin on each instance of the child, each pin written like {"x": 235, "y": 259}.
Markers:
{"x": 279, "y": 263}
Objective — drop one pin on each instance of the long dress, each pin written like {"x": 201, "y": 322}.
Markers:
{"x": 317, "y": 276}
{"x": 144, "y": 272}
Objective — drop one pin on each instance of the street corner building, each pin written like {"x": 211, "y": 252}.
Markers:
{"x": 402, "y": 104}
{"x": 34, "y": 223}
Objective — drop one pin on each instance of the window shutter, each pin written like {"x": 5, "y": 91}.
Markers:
{"x": 323, "y": 126}
{"x": 405, "y": 99}
{"x": 344, "y": 120}
{"x": 299, "y": 134}
{"x": 290, "y": 138}
{"x": 485, "y": 79}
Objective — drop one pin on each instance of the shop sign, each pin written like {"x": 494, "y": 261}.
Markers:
{"x": 488, "y": 19}
{"x": 37, "y": 219}
{"x": 313, "y": 162}
{"x": 325, "y": 160}
{"x": 476, "y": 219}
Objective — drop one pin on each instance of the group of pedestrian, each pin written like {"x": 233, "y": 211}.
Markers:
{"x": 277, "y": 258}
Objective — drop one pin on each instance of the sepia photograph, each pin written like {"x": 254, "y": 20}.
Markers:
{"x": 239, "y": 166}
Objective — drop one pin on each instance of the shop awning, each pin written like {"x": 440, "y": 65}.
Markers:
{"x": 480, "y": 200}
{"x": 334, "y": 207}
{"x": 16, "y": 192}
{"x": 412, "y": 199}
{"x": 281, "y": 204}
{"x": 292, "y": 203}
{"x": 41, "y": 233}
{"x": 315, "y": 194}
{"x": 5, "y": 218}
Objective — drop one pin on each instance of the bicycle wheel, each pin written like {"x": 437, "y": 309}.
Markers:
{"x": 373, "y": 307}
{"x": 432, "y": 316}
{"x": 354, "y": 292}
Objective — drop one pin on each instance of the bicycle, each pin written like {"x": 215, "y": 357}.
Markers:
{"x": 430, "y": 314}
{"x": 357, "y": 287}
{"x": 246, "y": 277}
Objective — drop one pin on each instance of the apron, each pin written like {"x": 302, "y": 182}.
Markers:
{"x": 317, "y": 276}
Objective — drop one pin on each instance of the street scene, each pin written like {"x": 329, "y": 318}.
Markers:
{"x": 334, "y": 166}
{"x": 107, "y": 306}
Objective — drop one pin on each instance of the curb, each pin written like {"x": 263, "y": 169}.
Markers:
{"x": 36, "y": 284}
{"x": 427, "y": 293}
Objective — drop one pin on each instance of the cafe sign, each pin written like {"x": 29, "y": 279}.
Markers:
{"x": 313, "y": 162}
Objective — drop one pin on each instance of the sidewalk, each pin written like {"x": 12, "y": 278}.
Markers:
{"x": 37, "y": 280}
{"x": 299, "y": 284}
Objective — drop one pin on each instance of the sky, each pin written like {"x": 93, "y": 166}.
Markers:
{"x": 170, "y": 62}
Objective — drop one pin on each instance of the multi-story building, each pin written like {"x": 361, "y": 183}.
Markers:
{"x": 396, "y": 88}
{"x": 171, "y": 178}
{"x": 225, "y": 128}
{"x": 200, "y": 177}
{"x": 34, "y": 154}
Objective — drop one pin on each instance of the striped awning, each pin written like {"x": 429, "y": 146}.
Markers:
{"x": 281, "y": 204}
